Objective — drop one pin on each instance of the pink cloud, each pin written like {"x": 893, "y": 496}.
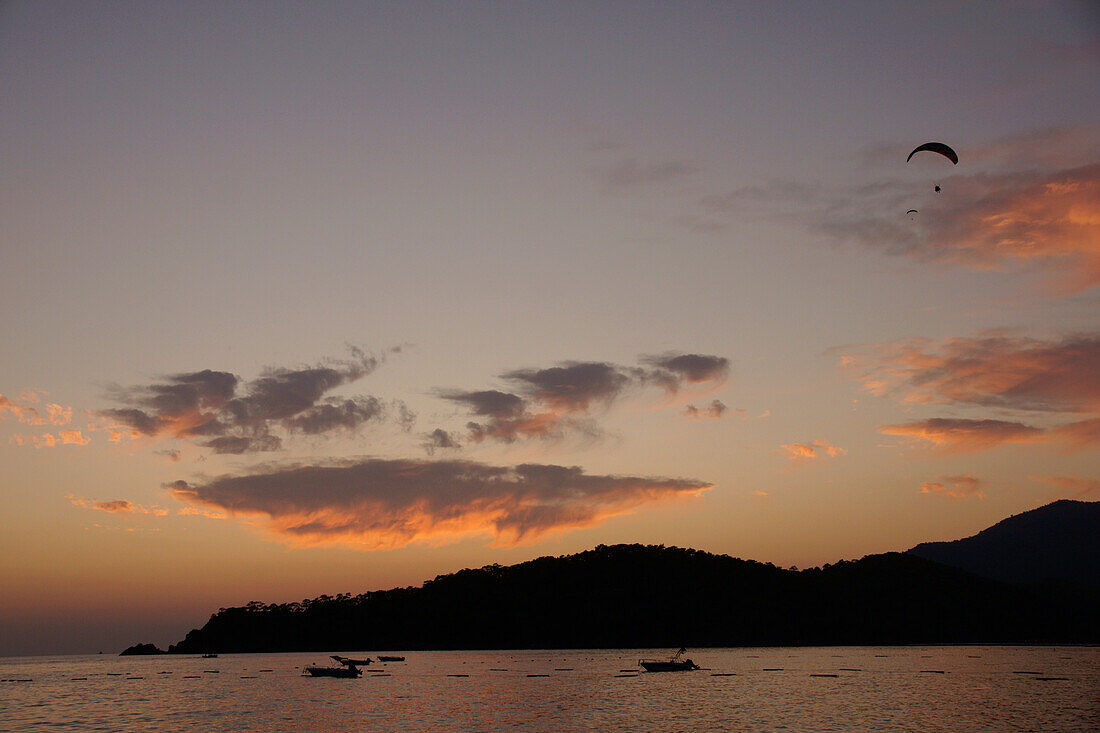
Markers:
{"x": 993, "y": 371}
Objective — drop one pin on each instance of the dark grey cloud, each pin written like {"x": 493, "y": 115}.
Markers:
{"x": 440, "y": 439}
{"x": 236, "y": 445}
{"x": 135, "y": 419}
{"x": 239, "y": 418}
{"x": 336, "y": 413}
{"x": 715, "y": 410}
{"x": 189, "y": 399}
{"x": 552, "y": 402}
{"x": 672, "y": 369}
{"x": 571, "y": 386}
{"x": 489, "y": 402}
{"x": 377, "y": 503}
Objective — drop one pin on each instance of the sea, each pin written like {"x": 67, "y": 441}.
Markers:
{"x": 925, "y": 688}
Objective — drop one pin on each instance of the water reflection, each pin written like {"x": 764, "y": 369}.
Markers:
{"x": 834, "y": 688}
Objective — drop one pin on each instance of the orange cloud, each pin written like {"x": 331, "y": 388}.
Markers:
{"x": 381, "y": 504}
{"x": 965, "y": 436}
{"x": 118, "y": 506}
{"x": 55, "y": 414}
{"x": 954, "y": 487}
{"x": 200, "y": 512}
{"x": 995, "y": 371}
{"x": 799, "y": 452}
{"x": 73, "y": 437}
{"x": 49, "y": 440}
{"x": 1073, "y": 486}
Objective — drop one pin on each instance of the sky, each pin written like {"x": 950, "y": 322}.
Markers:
{"x": 334, "y": 297}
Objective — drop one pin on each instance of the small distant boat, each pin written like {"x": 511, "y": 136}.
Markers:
{"x": 349, "y": 670}
{"x": 210, "y": 656}
{"x": 674, "y": 664}
{"x": 383, "y": 658}
{"x": 349, "y": 661}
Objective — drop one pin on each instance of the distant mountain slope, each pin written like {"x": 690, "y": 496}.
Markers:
{"x": 654, "y": 596}
{"x": 1060, "y": 541}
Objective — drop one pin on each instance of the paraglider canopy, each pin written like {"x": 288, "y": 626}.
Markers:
{"x": 911, "y": 211}
{"x": 940, "y": 148}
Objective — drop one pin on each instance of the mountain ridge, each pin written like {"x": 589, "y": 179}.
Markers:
{"x": 624, "y": 596}
{"x": 1059, "y": 541}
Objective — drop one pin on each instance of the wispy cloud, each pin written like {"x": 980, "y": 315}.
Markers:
{"x": 116, "y": 506}
{"x": 629, "y": 174}
{"x": 376, "y": 504}
{"x": 955, "y": 487}
{"x": 1072, "y": 487}
{"x": 992, "y": 371}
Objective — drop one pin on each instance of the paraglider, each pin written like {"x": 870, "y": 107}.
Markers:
{"x": 942, "y": 149}
{"x": 912, "y": 211}
{"x": 939, "y": 148}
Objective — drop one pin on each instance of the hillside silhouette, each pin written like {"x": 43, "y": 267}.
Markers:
{"x": 655, "y": 596}
{"x": 1056, "y": 542}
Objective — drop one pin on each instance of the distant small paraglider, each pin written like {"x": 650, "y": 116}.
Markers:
{"x": 912, "y": 211}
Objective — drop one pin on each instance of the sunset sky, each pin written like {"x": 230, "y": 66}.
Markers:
{"x": 305, "y": 298}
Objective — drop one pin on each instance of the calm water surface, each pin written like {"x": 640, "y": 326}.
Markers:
{"x": 773, "y": 689}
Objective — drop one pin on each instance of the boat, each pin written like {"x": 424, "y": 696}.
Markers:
{"x": 383, "y": 658}
{"x": 349, "y": 670}
{"x": 676, "y": 663}
{"x": 349, "y": 661}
